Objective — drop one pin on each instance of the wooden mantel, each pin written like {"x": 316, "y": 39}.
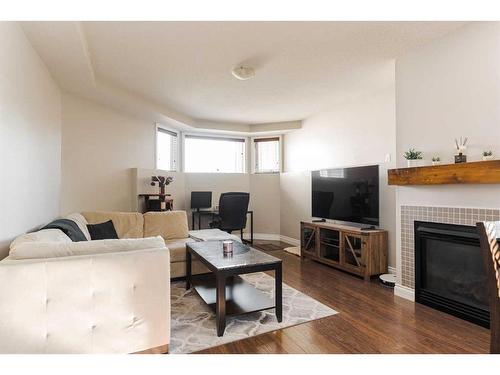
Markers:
{"x": 478, "y": 172}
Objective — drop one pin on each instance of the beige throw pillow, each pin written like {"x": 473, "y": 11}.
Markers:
{"x": 170, "y": 224}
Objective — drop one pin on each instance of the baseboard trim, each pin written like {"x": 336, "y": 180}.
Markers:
{"x": 262, "y": 236}
{"x": 404, "y": 292}
{"x": 290, "y": 240}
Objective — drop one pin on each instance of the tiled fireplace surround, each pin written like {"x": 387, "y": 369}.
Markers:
{"x": 447, "y": 215}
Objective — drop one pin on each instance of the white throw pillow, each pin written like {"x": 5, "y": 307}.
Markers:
{"x": 80, "y": 220}
{"x": 36, "y": 250}
{"x": 41, "y": 236}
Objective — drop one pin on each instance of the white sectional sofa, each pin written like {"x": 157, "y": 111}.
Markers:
{"x": 117, "y": 301}
{"x": 101, "y": 296}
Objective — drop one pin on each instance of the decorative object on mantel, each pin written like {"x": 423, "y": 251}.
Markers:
{"x": 162, "y": 181}
{"x": 461, "y": 147}
{"x": 413, "y": 157}
{"x": 436, "y": 160}
{"x": 488, "y": 155}
{"x": 477, "y": 172}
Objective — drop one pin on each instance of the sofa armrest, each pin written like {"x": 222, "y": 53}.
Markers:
{"x": 100, "y": 303}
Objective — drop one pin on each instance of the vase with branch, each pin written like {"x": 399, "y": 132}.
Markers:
{"x": 461, "y": 147}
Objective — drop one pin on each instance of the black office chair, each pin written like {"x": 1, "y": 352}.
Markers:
{"x": 232, "y": 215}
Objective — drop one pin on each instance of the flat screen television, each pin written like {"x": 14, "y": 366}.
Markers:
{"x": 347, "y": 194}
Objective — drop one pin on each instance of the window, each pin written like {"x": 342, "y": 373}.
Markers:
{"x": 166, "y": 149}
{"x": 267, "y": 155}
{"x": 214, "y": 154}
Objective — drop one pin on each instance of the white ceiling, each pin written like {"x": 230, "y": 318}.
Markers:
{"x": 301, "y": 67}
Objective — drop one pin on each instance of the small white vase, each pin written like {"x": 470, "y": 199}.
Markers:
{"x": 436, "y": 162}
{"x": 487, "y": 157}
{"x": 413, "y": 163}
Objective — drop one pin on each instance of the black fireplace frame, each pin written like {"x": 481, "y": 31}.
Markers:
{"x": 468, "y": 235}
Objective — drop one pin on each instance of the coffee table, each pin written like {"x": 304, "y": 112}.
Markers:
{"x": 223, "y": 289}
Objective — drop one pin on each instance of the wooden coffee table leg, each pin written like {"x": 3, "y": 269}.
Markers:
{"x": 220, "y": 308}
{"x": 188, "y": 269}
{"x": 278, "y": 293}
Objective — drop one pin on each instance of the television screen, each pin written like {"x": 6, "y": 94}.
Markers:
{"x": 201, "y": 199}
{"x": 347, "y": 194}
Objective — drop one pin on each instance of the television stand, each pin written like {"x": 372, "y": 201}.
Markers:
{"x": 360, "y": 251}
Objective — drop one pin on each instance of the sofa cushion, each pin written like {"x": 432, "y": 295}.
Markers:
{"x": 41, "y": 236}
{"x": 81, "y": 222}
{"x": 170, "y": 224}
{"x": 36, "y": 250}
{"x": 68, "y": 227}
{"x": 127, "y": 224}
{"x": 102, "y": 231}
{"x": 178, "y": 249}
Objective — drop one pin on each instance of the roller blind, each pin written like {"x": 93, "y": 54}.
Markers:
{"x": 212, "y": 154}
{"x": 267, "y": 155}
{"x": 166, "y": 149}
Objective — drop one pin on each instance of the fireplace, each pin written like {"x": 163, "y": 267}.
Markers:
{"x": 449, "y": 271}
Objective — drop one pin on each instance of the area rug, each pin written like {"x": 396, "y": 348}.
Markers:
{"x": 193, "y": 322}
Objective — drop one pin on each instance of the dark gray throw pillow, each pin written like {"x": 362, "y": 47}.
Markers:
{"x": 102, "y": 231}
{"x": 69, "y": 228}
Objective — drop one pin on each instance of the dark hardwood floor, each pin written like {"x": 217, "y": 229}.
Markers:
{"x": 370, "y": 320}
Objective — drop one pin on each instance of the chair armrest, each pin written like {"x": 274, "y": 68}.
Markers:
{"x": 99, "y": 303}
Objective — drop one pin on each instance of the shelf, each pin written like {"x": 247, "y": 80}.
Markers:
{"x": 479, "y": 172}
{"x": 326, "y": 243}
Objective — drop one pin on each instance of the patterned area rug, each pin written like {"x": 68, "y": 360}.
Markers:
{"x": 193, "y": 322}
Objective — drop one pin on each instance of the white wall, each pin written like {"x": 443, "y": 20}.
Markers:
{"x": 360, "y": 131}
{"x": 30, "y": 138}
{"x": 265, "y": 202}
{"x": 447, "y": 89}
{"x": 99, "y": 149}
{"x": 264, "y": 192}
{"x": 108, "y": 158}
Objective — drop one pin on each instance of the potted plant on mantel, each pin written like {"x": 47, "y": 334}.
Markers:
{"x": 413, "y": 157}
{"x": 436, "y": 160}
{"x": 487, "y": 155}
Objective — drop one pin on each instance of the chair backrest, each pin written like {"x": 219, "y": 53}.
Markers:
{"x": 233, "y": 209}
{"x": 489, "y": 231}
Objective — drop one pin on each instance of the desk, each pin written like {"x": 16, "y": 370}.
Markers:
{"x": 213, "y": 213}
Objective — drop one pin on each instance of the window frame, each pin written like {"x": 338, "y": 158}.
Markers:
{"x": 179, "y": 142}
{"x": 254, "y": 153}
{"x": 215, "y": 136}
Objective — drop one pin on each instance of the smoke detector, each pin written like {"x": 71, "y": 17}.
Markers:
{"x": 243, "y": 72}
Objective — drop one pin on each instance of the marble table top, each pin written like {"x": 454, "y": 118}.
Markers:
{"x": 242, "y": 255}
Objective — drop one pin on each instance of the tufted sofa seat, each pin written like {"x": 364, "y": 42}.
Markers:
{"x": 69, "y": 300}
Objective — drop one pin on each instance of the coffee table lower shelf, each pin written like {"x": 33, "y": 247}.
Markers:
{"x": 241, "y": 296}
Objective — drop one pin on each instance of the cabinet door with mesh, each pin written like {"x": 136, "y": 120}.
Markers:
{"x": 308, "y": 240}
{"x": 353, "y": 250}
